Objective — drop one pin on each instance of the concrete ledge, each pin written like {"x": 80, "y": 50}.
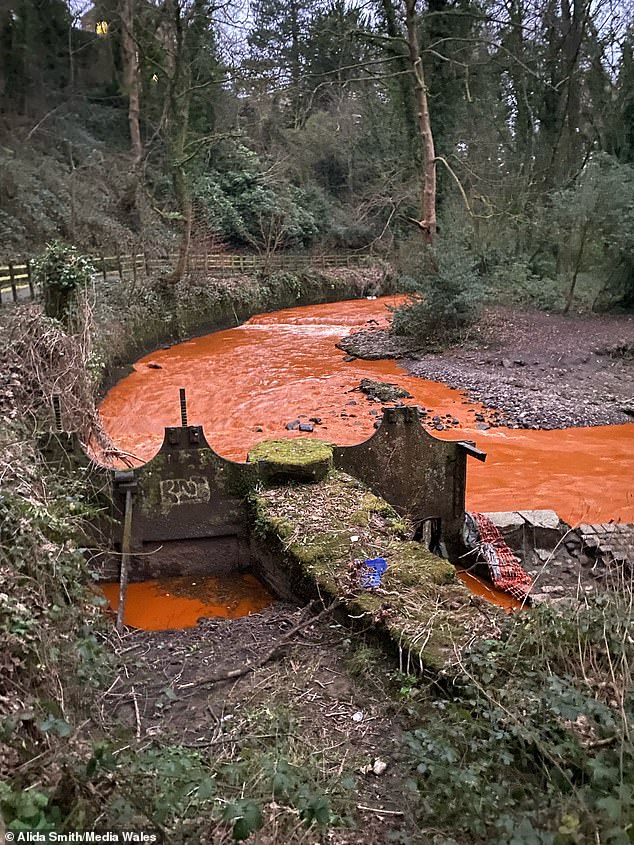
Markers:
{"x": 527, "y": 530}
{"x": 311, "y": 540}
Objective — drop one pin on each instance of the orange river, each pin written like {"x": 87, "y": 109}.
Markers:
{"x": 244, "y": 384}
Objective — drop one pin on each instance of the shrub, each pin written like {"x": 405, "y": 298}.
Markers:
{"x": 447, "y": 297}
{"x": 516, "y": 283}
{"x": 63, "y": 273}
{"x": 532, "y": 743}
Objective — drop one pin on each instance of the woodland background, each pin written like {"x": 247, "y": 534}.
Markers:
{"x": 294, "y": 126}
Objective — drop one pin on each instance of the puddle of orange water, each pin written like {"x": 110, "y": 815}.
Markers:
{"x": 179, "y": 602}
{"x": 278, "y": 367}
{"x": 481, "y": 588}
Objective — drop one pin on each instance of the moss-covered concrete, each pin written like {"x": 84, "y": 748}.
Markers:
{"x": 321, "y": 534}
{"x": 297, "y": 459}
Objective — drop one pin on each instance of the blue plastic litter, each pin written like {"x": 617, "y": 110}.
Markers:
{"x": 374, "y": 569}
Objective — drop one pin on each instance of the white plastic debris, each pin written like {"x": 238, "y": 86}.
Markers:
{"x": 379, "y": 767}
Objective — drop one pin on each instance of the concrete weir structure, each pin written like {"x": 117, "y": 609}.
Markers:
{"x": 192, "y": 502}
{"x": 305, "y": 515}
{"x": 190, "y": 510}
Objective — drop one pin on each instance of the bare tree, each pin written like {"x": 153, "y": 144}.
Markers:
{"x": 427, "y": 223}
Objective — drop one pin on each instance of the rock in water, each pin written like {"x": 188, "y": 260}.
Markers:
{"x": 384, "y": 391}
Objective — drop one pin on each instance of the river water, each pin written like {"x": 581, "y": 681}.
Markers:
{"x": 244, "y": 384}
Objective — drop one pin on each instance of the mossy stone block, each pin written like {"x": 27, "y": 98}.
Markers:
{"x": 297, "y": 459}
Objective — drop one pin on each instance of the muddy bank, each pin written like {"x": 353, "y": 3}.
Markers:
{"x": 540, "y": 370}
{"x": 319, "y": 704}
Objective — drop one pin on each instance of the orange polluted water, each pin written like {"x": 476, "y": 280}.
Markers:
{"x": 244, "y": 384}
{"x": 487, "y": 591}
{"x": 179, "y": 602}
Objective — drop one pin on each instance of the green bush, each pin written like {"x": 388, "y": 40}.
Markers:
{"x": 448, "y": 294}
{"x": 63, "y": 273}
{"x": 238, "y": 200}
{"x": 515, "y": 282}
{"x": 532, "y": 744}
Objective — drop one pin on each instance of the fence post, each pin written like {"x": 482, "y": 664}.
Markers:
{"x": 134, "y": 269}
{"x": 14, "y": 289}
{"x": 119, "y": 265}
{"x": 29, "y": 276}
{"x": 146, "y": 262}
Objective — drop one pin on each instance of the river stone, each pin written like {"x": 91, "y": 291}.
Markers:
{"x": 383, "y": 391}
{"x": 299, "y": 459}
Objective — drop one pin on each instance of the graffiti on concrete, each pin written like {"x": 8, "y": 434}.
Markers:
{"x": 185, "y": 491}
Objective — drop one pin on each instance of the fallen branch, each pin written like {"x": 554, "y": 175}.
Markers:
{"x": 379, "y": 811}
{"x": 249, "y": 667}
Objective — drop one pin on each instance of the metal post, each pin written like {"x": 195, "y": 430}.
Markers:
{"x": 57, "y": 411}
{"x": 183, "y": 407}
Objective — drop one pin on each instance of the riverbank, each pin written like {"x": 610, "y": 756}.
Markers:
{"x": 537, "y": 369}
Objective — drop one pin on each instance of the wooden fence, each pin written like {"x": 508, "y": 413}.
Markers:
{"x": 17, "y": 284}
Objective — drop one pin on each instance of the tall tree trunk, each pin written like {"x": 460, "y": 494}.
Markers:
{"x": 185, "y": 205}
{"x": 577, "y": 267}
{"x": 427, "y": 223}
{"x": 177, "y": 130}
{"x": 130, "y": 60}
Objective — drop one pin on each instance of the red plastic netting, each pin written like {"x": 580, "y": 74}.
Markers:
{"x": 505, "y": 569}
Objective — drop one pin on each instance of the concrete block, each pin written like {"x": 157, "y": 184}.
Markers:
{"x": 541, "y": 519}
{"x": 543, "y": 529}
{"x": 587, "y": 529}
{"x": 506, "y": 520}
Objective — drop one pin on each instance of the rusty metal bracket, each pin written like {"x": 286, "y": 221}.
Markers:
{"x": 125, "y": 479}
{"x": 470, "y": 448}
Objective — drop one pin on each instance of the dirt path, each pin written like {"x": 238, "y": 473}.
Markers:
{"x": 320, "y": 704}
{"x": 540, "y": 370}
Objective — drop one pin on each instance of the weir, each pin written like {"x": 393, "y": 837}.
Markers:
{"x": 191, "y": 512}
{"x": 190, "y": 504}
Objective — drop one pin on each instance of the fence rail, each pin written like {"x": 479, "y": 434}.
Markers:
{"x": 17, "y": 283}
